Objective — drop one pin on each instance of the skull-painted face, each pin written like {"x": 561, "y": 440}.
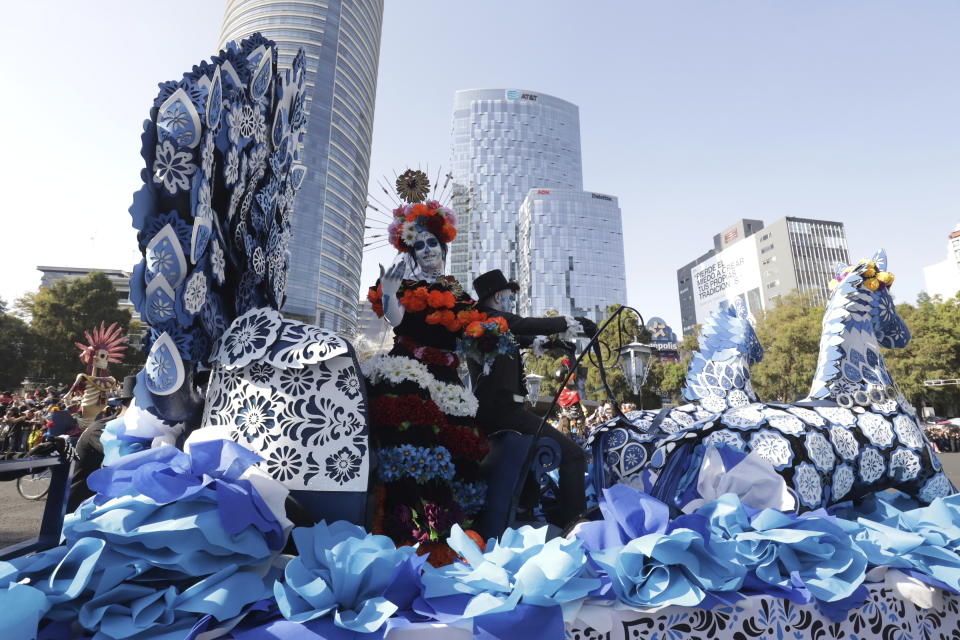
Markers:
{"x": 101, "y": 359}
{"x": 505, "y": 300}
{"x": 427, "y": 252}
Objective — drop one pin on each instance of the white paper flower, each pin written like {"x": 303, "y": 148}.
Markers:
{"x": 820, "y": 451}
{"x": 844, "y": 442}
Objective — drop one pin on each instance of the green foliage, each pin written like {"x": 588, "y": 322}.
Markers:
{"x": 58, "y": 317}
{"x": 790, "y": 335}
{"x": 622, "y": 331}
{"x": 933, "y": 353}
{"x": 17, "y": 345}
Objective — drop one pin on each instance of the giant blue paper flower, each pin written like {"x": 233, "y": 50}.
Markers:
{"x": 812, "y": 550}
{"x": 675, "y": 568}
{"x": 521, "y": 568}
{"x": 341, "y": 570}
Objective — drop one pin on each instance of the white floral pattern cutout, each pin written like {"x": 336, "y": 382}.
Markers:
{"x": 908, "y": 432}
{"x": 450, "y": 398}
{"x": 738, "y": 398}
{"x": 195, "y": 292}
{"x": 808, "y": 416}
{"x": 904, "y": 464}
{"x": 772, "y": 447}
{"x": 308, "y": 423}
{"x": 876, "y": 428}
{"x": 843, "y": 478}
{"x": 820, "y": 451}
{"x": 938, "y": 486}
{"x": 872, "y": 465}
{"x": 248, "y": 337}
{"x": 783, "y": 421}
{"x": 725, "y": 437}
{"x": 806, "y": 480}
{"x": 838, "y": 415}
{"x": 743, "y": 417}
{"x": 714, "y": 404}
{"x": 844, "y": 442}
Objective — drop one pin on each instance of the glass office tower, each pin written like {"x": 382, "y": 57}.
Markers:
{"x": 571, "y": 253}
{"x": 341, "y": 39}
{"x": 505, "y": 142}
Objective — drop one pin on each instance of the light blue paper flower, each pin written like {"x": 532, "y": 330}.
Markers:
{"x": 341, "y": 570}
{"x": 813, "y": 549}
{"x": 677, "y": 568}
{"x": 523, "y": 567}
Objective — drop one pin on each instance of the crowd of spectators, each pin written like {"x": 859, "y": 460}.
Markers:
{"x": 29, "y": 415}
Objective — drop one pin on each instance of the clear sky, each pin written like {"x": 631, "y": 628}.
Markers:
{"x": 694, "y": 114}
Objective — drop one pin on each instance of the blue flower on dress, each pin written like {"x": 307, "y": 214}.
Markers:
{"x": 256, "y": 418}
{"x": 248, "y": 337}
{"x": 343, "y": 466}
{"x": 172, "y": 168}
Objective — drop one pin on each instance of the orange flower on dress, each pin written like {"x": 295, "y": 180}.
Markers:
{"x": 414, "y": 299}
{"x": 502, "y": 323}
{"x": 441, "y": 300}
{"x": 450, "y": 321}
{"x": 475, "y": 329}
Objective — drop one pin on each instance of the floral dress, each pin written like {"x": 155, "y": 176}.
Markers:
{"x": 422, "y": 419}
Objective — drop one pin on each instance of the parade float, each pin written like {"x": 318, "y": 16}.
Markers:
{"x": 724, "y": 518}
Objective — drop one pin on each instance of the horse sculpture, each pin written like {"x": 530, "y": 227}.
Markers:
{"x": 854, "y": 434}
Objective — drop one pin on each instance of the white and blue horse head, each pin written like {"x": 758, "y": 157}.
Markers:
{"x": 860, "y": 318}
{"x": 719, "y": 373}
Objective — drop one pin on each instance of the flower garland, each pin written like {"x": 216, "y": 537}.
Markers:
{"x": 420, "y": 463}
{"x": 410, "y": 219}
{"x": 470, "y": 495}
{"x": 403, "y": 412}
{"x": 451, "y": 399}
{"x": 429, "y": 355}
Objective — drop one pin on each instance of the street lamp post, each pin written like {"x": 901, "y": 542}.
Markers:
{"x": 635, "y": 361}
{"x": 533, "y": 381}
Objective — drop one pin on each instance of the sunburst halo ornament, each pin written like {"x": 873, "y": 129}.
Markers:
{"x": 413, "y": 186}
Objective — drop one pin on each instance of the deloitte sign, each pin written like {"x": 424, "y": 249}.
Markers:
{"x": 515, "y": 94}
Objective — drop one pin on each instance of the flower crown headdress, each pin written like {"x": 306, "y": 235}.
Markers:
{"x": 419, "y": 214}
{"x": 871, "y": 277}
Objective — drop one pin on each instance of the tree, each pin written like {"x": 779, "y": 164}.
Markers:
{"x": 674, "y": 376}
{"x": 790, "y": 335}
{"x": 59, "y": 315}
{"x": 17, "y": 344}
{"x": 933, "y": 353}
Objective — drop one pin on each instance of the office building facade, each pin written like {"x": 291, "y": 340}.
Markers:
{"x": 943, "y": 278}
{"x": 570, "y": 253}
{"x": 759, "y": 264}
{"x": 504, "y": 143}
{"x": 341, "y": 40}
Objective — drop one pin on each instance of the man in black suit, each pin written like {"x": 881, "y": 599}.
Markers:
{"x": 502, "y": 390}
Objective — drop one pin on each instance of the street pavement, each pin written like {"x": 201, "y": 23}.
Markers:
{"x": 20, "y": 518}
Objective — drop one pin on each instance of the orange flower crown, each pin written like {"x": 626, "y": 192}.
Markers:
{"x": 411, "y": 219}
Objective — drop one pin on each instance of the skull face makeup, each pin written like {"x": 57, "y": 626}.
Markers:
{"x": 504, "y": 300}
{"x": 428, "y": 253}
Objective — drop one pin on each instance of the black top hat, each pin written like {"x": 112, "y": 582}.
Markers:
{"x": 491, "y": 282}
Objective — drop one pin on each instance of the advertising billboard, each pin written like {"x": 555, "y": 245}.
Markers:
{"x": 733, "y": 273}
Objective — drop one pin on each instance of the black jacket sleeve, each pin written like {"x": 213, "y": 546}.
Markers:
{"x": 521, "y": 326}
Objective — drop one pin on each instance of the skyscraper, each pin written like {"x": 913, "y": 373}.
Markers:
{"x": 505, "y": 142}
{"x": 759, "y": 264}
{"x": 571, "y": 253}
{"x": 341, "y": 39}
{"x": 943, "y": 278}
